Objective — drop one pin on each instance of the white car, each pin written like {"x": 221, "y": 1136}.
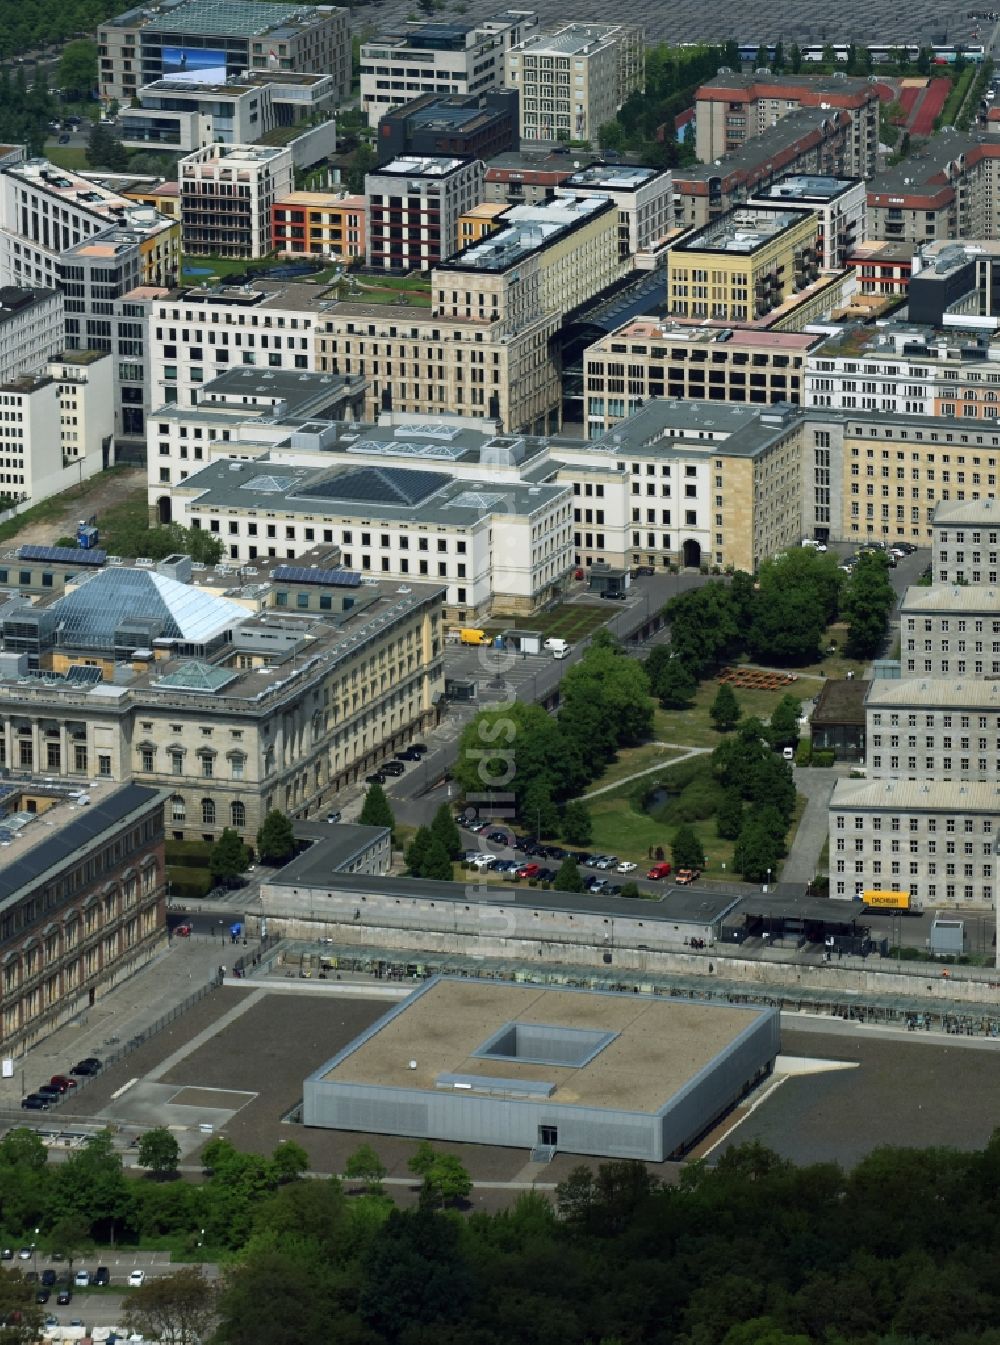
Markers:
{"x": 484, "y": 861}
{"x": 82, "y": 1279}
{"x": 136, "y": 1279}
{"x": 626, "y": 866}
{"x": 817, "y": 546}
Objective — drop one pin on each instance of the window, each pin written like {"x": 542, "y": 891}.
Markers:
{"x": 178, "y": 811}
{"x": 103, "y": 763}
{"x": 238, "y": 814}
{"x": 208, "y": 812}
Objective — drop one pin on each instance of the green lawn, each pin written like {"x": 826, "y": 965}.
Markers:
{"x": 381, "y": 295}
{"x": 632, "y": 760}
{"x": 831, "y": 665}
{"x": 570, "y": 621}
{"x": 67, "y": 156}
{"x": 222, "y": 266}
{"x": 694, "y": 728}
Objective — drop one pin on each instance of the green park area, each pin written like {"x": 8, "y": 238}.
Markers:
{"x": 685, "y": 751}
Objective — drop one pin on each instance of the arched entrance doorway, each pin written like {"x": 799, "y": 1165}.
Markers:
{"x": 163, "y": 508}
{"x": 692, "y": 554}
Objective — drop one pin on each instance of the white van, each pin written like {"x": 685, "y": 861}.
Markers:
{"x": 557, "y": 648}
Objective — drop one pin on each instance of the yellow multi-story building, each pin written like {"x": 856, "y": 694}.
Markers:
{"x": 319, "y": 223}
{"x": 744, "y": 265}
{"x": 479, "y": 221}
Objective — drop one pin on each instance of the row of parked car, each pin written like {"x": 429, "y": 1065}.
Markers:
{"x": 48, "y": 1094}
{"x": 415, "y": 752}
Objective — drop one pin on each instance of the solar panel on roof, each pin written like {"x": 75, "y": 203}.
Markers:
{"x": 300, "y": 574}
{"x": 65, "y": 555}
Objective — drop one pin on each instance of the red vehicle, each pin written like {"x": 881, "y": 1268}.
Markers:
{"x": 659, "y": 871}
{"x": 528, "y": 871}
{"x": 183, "y": 931}
{"x": 63, "y": 1082}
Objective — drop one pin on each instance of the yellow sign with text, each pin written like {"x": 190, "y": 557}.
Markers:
{"x": 891, "y": 901}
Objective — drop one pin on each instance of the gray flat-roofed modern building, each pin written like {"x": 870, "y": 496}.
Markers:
{"x": 527, "y": 1066}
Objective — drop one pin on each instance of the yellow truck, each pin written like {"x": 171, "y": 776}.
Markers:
{"x": 879, "y": 899}
{"x": 473, "y": 635}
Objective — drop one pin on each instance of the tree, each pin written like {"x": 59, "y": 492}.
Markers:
{"x": 577, "y": 826}
{"x": 445, "y": 1180}
{"x": 90, "y": 1184}
{"x": 375, "y": 811}
{"x": 725, "y": 709}
{"x": 177, "y": 1309}
{"x": 229, "y": 857}
{"x": 445, "y": 829}
{"x": 729, "y": 817}
{"x": 364, "y": 160}
{"x": 868, "y": 600}
{"x": 686, "y": 850}
{"x": 538, "y": 811}
{"x": 784, "y": 725}
{"x": 275, "y": 839}
{"x": 795, "y": 58}
{"x": 289, "y": 1161}
{"x": 757, "y": 852}
{"x": 68, "y": 1237}
{"x": 416, "y": 851}
{"x": 676, "y": 686}
{"x": 437, "y": 862}
{"x": 21, "y": 1317}
{"x": 630, "y": 890}
{"x": 568, "y": 878}
{"x": 78, "y": 67}
{"x": 159, "y": 1151}
{"x": 364, "y": 1165}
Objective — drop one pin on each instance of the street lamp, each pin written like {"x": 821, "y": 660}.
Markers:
{"x": 767, "y": 885}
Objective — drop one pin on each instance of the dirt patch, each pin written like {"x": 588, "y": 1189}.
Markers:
{"x": 101, "y": 492}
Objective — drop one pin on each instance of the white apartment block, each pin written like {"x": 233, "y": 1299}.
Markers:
{"x": 966, "y": 540}
{"x": 45, "y": 211}
{"x": 935, "y": 840}
{"x": 227, "y": 192}
{"x": 439, "y": 58}
{"x": 644, "y": 198}
{"x": 182, "y": 116}
{"x": 197, "y": 334}
{"x": 56, "y": 426}
{"x": 32, "y": 329}
{"x": 840, "y": 203}
{"x": 574, "y": 79}
{"x": 414, "y": 205}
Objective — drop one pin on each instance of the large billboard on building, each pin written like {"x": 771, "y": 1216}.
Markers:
{"x": 204, "y": 65}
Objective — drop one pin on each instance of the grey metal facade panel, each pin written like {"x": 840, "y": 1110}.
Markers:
{"x": 480, "y": 1120}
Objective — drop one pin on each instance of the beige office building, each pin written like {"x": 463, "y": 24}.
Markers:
{"x": 575, "y": 79}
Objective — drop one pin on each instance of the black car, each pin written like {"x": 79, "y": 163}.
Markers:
{"x": 64, "y": 140}
{"x": 48, "y": 1278}
{"x": 498, "y": 837}
{"x": 101, "y": 1276}
{"x": 64, "y": 1296}
{"x": 393, "y": 768}
{"x": 43, "y": 1295}
{"x": 407, "y": 754}
{"x": 613, "y": 595}
{"x": 34, "y": 1102}
{"x": 90, "y": 1066}
{"x": 31, "y": 1277}
{"x": 377, "y": 779}
{"x": 50, "y": 1091}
